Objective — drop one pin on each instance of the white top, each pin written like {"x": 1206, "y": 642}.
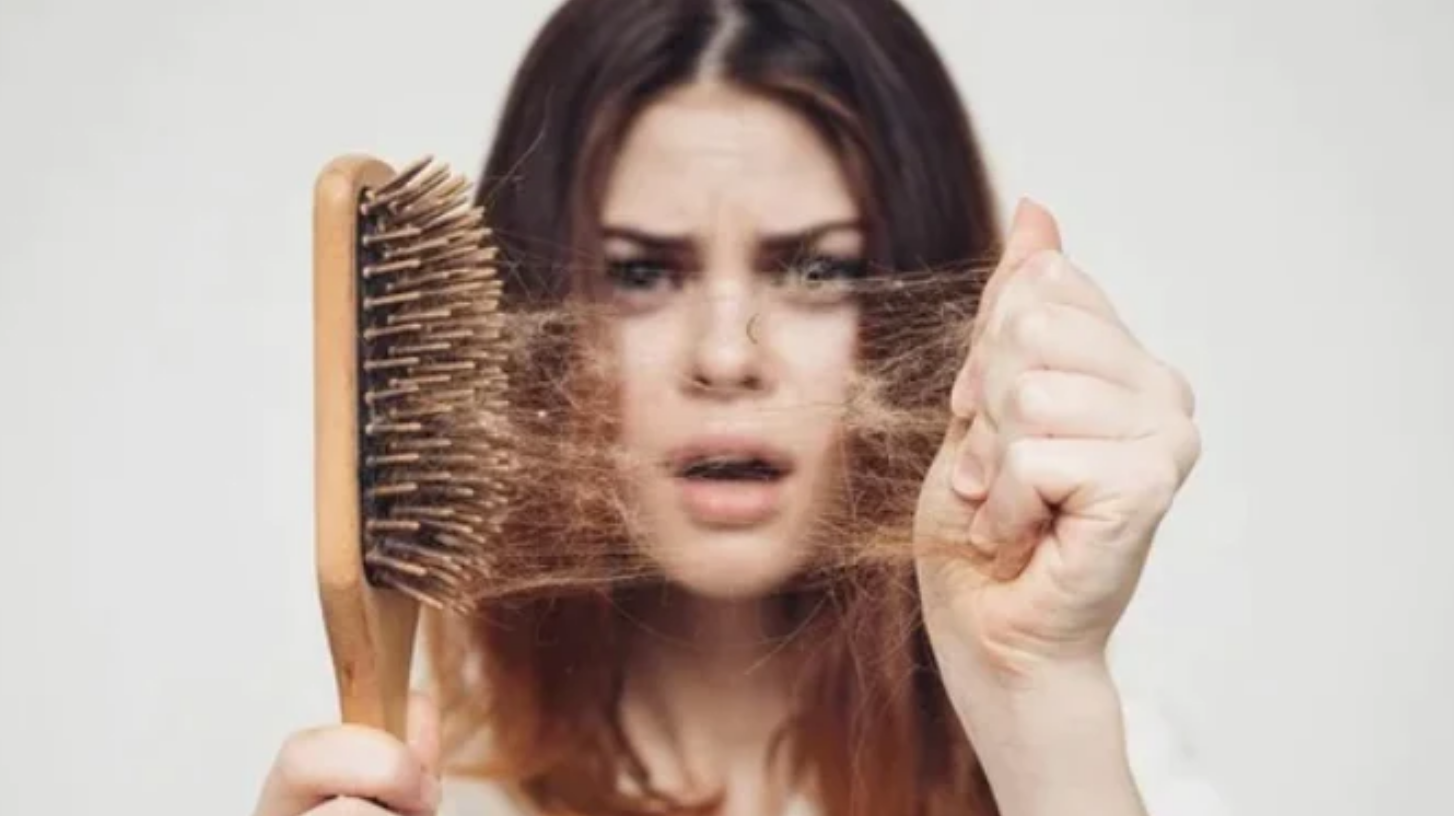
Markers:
{"x": 1169, "y": 782}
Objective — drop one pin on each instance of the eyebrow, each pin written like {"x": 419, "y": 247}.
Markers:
{"x": 777, "y": 241}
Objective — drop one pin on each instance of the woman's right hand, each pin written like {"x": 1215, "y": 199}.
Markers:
{"x": 345, "y": 770}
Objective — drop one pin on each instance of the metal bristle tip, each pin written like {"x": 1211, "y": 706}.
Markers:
{"x": 432, "y": 473}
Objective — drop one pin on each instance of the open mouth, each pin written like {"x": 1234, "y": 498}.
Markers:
{"x": 731, "y": 482}
{"x": 731, "y": 468}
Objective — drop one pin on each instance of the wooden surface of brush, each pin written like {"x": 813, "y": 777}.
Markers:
{"x": 410, "y": 466}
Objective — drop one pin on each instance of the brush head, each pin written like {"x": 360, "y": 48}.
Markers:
{"x": 433, "y": 463}
{"x": 411, "y": 468}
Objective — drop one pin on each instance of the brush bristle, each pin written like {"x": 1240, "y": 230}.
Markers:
{"x": 434, "y": 466}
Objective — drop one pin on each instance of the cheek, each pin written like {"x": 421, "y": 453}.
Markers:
{"x": 640, "y": 362}
{"x": 820, "y": 357}
{"x": 821, "y": 354}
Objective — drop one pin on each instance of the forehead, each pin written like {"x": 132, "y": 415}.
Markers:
{"x": 707, "y": 152}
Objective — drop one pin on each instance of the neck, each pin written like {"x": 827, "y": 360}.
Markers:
{"x": 707, "y": 688}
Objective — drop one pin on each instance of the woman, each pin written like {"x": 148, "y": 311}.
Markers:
{"x": 720, "y": 176}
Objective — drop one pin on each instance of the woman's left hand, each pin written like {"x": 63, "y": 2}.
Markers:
{"x": 1067, "y": 445}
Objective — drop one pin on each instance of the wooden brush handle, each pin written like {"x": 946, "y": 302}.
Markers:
{"x": 370, "y": 630}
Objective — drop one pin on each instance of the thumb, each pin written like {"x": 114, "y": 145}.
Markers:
{"x": 424, "y": 731}
{"x": 1032, "y": 229}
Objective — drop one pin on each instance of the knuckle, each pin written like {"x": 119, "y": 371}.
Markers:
{"x": 1029, "y": 400}
{"x": 1158, "y": 483}
{"x": 1029, "y": 327}
{"x": 1043, "y": 264}
{"x": 294, "y": 759}
{"x": 400, "y": 774}
{"x": 1178, "y": 388}
{"x": 383, "y": 763}
{"x": 1186, "y": 392}
{"x": 1019, "y": 459}
{"x": 1189, "y": 444}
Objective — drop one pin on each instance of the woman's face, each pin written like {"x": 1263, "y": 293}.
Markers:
{"x": 728, "y": 228}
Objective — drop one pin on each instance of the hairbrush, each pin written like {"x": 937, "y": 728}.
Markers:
{"x": 410, "y": 469}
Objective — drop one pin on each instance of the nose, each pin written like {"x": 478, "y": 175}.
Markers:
{"x": 727, "y": 356}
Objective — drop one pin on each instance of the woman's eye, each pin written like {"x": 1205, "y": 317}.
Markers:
{"x": 816, "y": 272}
{"x": 638, "y": 274}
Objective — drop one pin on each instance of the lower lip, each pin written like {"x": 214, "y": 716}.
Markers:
{"x": 730, "y": 503}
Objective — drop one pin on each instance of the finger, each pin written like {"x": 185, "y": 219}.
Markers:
{"x": 1048, "y": 280}
{"x": 977, "y": 460}
{"x": 1114, "y": 491}
{"x": 1013, "y": 518}
{"x": 968, "y": 384}
{"x": 1049, "y": 276}
{"x": 316, "y": 766}
{"x": 349, "y": 806}
{"x": 1056, "y": 337}
{"x": 1060, "y": 404}
{"x": 1026, "y": 401}
{"x": 938, "y": 522}
{"x": 424, "y": 732}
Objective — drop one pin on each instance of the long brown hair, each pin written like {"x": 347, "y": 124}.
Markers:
{"x": 534, "y": 679}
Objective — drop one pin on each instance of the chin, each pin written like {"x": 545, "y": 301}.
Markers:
{"x": 730, "y": 564}
{"x": 729, "y": 540}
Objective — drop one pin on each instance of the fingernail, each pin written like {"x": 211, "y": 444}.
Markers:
{"x": 968, "y": 477}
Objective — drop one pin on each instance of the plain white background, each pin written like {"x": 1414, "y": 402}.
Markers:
{"x": 1264, "y": 188}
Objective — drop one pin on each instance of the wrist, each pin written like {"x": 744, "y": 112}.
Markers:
{"x": 1053, "y": 743}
